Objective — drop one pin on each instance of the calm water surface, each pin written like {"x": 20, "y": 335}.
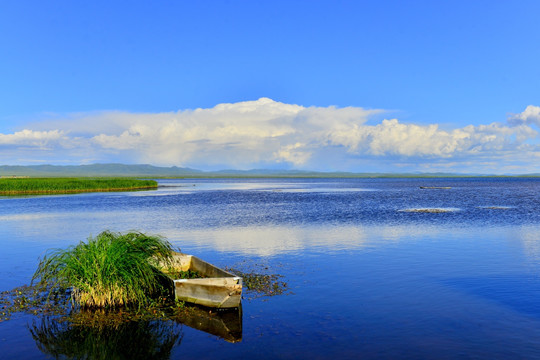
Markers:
{"x": 372, "y": 272}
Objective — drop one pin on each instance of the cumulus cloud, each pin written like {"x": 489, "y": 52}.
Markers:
{"x": 36, "y": 139}
{"x": 265, "y": 132}
{"x": 293, "y": 154}
{"x": 531, "y": 115}
{"x": 391, "y": 137}
{"x": 251, "y": 132}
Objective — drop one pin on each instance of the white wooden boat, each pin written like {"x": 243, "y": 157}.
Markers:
{"x": 218, "y": 288}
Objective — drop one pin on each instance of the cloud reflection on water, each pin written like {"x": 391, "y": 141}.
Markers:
{"x": 63, "y": 229}
{"x": 172, "y": 187}
{"x": 42, "y": 230}
{"x": 529, "y": 236}
{"x": 274, "y": 240}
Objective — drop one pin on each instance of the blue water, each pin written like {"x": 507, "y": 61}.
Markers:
{"x": 371, "y": 273}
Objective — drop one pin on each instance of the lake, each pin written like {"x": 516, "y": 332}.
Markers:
{"x": 376, "y": 268}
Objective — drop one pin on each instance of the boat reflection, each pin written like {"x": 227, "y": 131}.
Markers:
{"x": 223, "y": 323}
{"x": 107, "y": 338}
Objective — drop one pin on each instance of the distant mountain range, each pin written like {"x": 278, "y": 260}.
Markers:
{"x": 95, "y": 170}
{"x": 112, "y": 170}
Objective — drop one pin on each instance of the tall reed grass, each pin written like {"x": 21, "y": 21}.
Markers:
{"x": 67, "y": 185}
{"x": 111, "y": 269}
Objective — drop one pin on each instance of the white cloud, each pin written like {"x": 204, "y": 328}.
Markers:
{"x": 240, "y": 134}
{"x": 29, "y": 138}
{"x": 265, "y": 133}
{"x": 531, "y": 115}
{"x": 292, "y": 154}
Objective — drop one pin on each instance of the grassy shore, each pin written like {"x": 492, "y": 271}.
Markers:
{"x": 29, "y": 186}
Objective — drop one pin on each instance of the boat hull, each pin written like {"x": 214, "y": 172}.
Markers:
{"x": 218, "y": 288}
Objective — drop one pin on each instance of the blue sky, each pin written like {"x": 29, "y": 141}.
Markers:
{"x": 325, "y": 85}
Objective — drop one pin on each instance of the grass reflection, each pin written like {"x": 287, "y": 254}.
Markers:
{"x": 126, "y": 340}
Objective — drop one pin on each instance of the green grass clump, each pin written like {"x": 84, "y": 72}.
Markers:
{"x": 22, "y": 186}
{"x": 111, "y": 269}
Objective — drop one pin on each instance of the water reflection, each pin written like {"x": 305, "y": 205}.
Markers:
{"x": 108, "y": 335}
{"x": 530, "y": 239}
{"x": 27, "y": 217}
{"x": 519, "y": 293}
{"x": 104, "y": 336}
{"x": 401, "y": 284}
{"x": 225, "y": 324}
{"x": 273, "y": 240}
{"x": 129, "y": 340}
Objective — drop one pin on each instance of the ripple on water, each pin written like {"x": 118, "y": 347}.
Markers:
{"x": 430, "y": 210}
{"x": 496, "y": 207}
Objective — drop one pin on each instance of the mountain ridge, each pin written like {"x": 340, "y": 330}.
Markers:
{"x": 147, "y": 170}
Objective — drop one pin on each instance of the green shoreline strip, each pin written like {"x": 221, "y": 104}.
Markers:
{"x": 35, "y": 186}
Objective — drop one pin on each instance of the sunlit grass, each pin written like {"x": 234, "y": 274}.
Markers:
{"x": 21, "y": 186}
{"x": 111, "y": 269}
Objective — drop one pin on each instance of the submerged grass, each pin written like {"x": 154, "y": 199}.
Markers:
{"x": 111, "y": 269}
{"x": 259, "y": 284}
{"x": 24, "y": 186}
{"x": 33, "y": 300}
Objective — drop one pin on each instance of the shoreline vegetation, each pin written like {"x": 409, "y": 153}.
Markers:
{"x": 43, "y": 186}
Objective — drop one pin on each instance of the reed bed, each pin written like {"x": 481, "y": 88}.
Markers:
{"x": 109, "y": 270}
{"x": 26, "y": 186}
